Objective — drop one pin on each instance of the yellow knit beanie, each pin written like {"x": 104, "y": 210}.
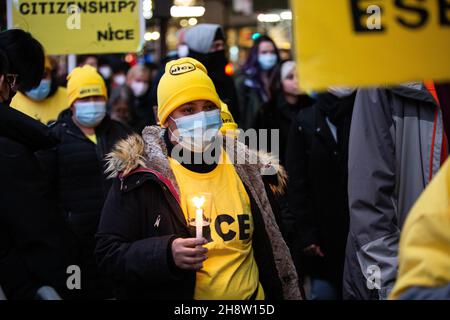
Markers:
{"x": 184, "y": 80}
{"x": 85, "y": 82}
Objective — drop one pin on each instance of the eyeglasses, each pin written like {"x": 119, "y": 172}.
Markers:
{"x": 11, "y": 79}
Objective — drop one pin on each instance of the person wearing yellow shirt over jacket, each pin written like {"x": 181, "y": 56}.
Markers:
{"x": 75, "y": 168}
{"x": 144, "y": 243}
{"x": 46, "y": 101}
{"x": 424, "y": 255}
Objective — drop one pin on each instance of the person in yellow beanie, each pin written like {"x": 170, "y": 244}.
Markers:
{"x": 144, "y": 241}
{"x": 75, "y": 169}
{"x": 46, "y": 101}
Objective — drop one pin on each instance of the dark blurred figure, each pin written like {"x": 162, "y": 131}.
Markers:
{"x": 316, "y": 161}
{"x": 34, "y": 244}
{"x": 119, "y": 105}
{"x": 119, "y": 74}
{"x": 89, "y": 59}
{"x": 443, "y": 95}
{"x": 106, "y": 71}
{"x": 138, "y": 81}
{"x": 206, "y": 43}
{"x": 287, "y": 99}
{"x": 75, "y": 167}
{"x": 181, "y": 52}
{"x": 253, "y": 83}
{"x": 154, "y": 69}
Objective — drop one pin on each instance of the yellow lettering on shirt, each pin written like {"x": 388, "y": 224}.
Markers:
{"x": 230, "y": 272}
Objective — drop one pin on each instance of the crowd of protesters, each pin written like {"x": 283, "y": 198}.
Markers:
{"x": 98, "y": 167}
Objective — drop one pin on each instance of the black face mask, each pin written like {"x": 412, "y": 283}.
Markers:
{"x": 214, "y": 62}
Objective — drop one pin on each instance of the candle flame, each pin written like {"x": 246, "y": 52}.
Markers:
{"x": 198, "y": 201}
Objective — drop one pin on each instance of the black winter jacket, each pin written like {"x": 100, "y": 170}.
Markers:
{"x": 34, "y": 244}
{"x": 317, "y": 187}
{"x": 75, "y": 170}
{"x": 140, "y": 220}
{"x": 279, "y": 114}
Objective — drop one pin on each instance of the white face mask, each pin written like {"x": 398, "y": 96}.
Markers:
{"x": 341, "y": 92}
{"x": 197, "y": 132}
{"x": 183, "y": 50}
{"x": 139, "y": 88}
{"x": 120, "y": 79}
{"x": 105, "y": 71}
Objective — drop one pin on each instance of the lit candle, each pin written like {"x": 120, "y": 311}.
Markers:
{"x": 199, "y": 222}
{"x": 198, "y": 202}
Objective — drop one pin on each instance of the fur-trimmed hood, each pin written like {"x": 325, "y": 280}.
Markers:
{"x": 150, "y": 152}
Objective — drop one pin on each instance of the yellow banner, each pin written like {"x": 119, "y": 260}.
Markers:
{"x": 371, "y": 42}
{"x": 82, "y": 26}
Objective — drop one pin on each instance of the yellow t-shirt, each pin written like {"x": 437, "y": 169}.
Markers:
{"x": 46, "y": 110}
{"x": 230, "y": 272}
{"x": 92, "y": 137}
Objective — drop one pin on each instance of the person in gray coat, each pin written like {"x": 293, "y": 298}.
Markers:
{"x": 397, "y": 144}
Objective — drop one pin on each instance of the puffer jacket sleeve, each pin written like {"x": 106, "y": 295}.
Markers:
{"x": 371, "y": 257}
{"x": 424, "y": 261}
{"x": 121, "y": 251}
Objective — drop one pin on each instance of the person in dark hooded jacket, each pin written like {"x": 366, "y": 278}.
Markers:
{"x": 33, "y": 241}
{"x": 75, "y": 168}
{"x": 316, "y": 162}
{"x": 253, "y": 82}
{"x": 286, "y": 101}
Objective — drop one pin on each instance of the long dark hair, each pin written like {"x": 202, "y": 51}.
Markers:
{"x": 251, "y": 66}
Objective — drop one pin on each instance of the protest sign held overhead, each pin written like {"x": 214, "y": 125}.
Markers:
{"x": 376, "y": 42}
{"x": 89, "y": 26}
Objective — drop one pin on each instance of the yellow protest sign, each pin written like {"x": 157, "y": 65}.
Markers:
{"x": 371, "y": 42}
{"x": 83, "y": 26}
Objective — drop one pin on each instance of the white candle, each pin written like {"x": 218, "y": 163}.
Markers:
{"x": 199, "y": 222}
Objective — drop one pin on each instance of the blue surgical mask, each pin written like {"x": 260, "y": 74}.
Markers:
{"x": 267, "y": 61}
{"x": 41, "y": 91}
{"x": 90, "y": 113}
{"x": 196, "y": 132}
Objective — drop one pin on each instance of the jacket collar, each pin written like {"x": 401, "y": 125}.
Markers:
{"x": 414, "y": 90}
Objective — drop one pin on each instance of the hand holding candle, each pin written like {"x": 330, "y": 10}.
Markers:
{"x": 199, "y": 211}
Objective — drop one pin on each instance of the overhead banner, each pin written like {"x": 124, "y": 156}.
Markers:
{"x": 371, "y": 42}
{"x": 80, "y": 27}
